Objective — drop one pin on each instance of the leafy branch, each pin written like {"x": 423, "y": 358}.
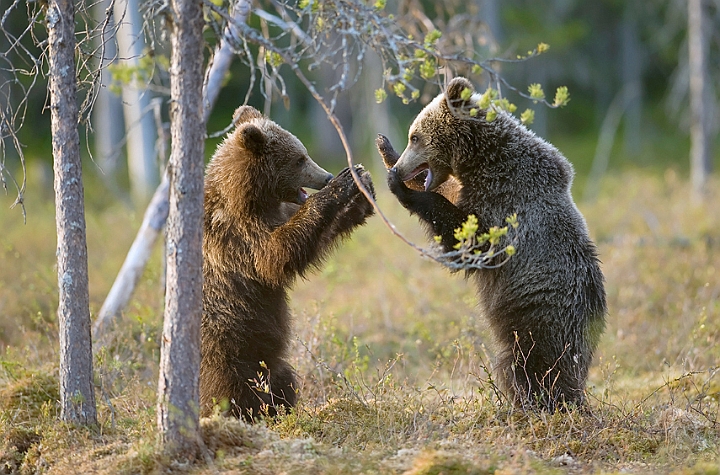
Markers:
{"x": 487, "y": 250}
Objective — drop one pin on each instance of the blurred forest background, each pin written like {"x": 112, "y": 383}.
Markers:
{"x": 625, "y": 64}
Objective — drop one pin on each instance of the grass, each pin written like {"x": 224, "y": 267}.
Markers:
{"x": 395, "y": 364}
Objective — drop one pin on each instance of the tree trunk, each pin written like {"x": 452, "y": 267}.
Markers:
{"x": 139, "y": 122}
{"x": 77, "y": 396}
{"x": 178, "y": 388}
{"x": 699, "y": 117}
{"x": 108, "y": 109}
{"x": 632, "y": 69}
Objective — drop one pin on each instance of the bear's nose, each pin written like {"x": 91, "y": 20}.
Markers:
{"x": 328, "y": 178}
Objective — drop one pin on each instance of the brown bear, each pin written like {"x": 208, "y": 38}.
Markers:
{"x": 261, "y": 231}
{"x": 546, "y": 305}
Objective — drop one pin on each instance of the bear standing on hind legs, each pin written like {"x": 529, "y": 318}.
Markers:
{"x": 546, "y": 305}
{"x": 261, "y": 231}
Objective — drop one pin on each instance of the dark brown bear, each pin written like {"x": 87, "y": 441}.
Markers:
{"x": 546, "y": 305}
{"x": 262, "y": 230}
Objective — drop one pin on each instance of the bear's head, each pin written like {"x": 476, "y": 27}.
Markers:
{"x": 435, "y": 135}
{"x": 264, "y": 162}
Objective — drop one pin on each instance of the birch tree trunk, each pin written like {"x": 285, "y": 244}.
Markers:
{"x": 139, "y": 122}
{"x": 178, "y": 387}
{"x": 699, "y": 117}
{"x": 77, "y": 396}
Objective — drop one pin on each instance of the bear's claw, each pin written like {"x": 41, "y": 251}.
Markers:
{"x": 386, "y": 151}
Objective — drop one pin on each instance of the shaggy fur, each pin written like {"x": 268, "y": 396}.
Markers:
{"x": 546, "y": 306}
{"x": 261, "y": 232}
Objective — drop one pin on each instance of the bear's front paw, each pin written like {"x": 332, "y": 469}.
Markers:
{"x": 359, "y": 202}
{"x": 386, "y": 151}
{"x": 343, "y": 186}
{"x": 397, "y": 186}
{"x": 366, "y": 180}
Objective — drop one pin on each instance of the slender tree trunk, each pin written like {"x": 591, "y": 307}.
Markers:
{"x": 139, "y": 122}
{"x": 178, "y": 388}
{"x": 107, "y": 113}
{"x": 632, "y": 69}
{"x": 77, "y": 396}
{"x": 699, "y": 117}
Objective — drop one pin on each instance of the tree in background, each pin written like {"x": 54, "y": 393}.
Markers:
{"x": 77, "y": 394}
{"x": 700, "y": 150}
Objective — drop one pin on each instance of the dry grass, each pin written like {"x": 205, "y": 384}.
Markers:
{"x": 395, "y": 365}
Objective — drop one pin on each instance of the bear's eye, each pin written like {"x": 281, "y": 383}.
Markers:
{"x": 414, "y": 139}
{"x": 301, "y": 160}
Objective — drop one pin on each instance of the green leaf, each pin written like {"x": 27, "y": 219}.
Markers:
{"x": 527, "y": 117}
{"x": 487, "y": 97}
{"x": 428, "y": 68}
{"x": 562, "y": 96}
{"x": 380, "y": 95}
{"x": 431, "y": 38}
{"x": 536, "y": 92}
{"x": 505, "y": 105}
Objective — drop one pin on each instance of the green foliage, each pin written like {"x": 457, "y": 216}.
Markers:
{"x": 562, "y": 97}
{"x": 380, "y": 95}
{"x": 273, "y": 59}
{"x": 527, "y": 117}
{"x": 139, "y": 73}
{"x": 428, "y": 68}
{"x": 536, "y": 92}
{"x": 431, "y": 39}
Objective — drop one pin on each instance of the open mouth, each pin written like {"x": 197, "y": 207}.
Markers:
{"x": 302, "y": 196}
{"x": 424, "y": 167}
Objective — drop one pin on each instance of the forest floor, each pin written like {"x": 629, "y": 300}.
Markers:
{"x": 394, "y": 362}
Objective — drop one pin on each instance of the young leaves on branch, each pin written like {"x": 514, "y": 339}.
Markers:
{"x": 475, "y": 250}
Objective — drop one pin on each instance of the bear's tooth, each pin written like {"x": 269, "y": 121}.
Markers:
{"x": 428, "y": 179}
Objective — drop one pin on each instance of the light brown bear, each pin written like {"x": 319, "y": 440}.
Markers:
{"x": 262, "y": 230}
{"x": 546, "y": 305}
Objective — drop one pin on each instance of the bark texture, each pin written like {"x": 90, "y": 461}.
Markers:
{"x": 77, "y": 397}
{"x": 178, "y": 392}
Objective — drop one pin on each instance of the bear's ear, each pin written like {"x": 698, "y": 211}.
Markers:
{"x": 455, "y": 90}
{"x": 244, "y": 114}
{"x": 253, "y": 138}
